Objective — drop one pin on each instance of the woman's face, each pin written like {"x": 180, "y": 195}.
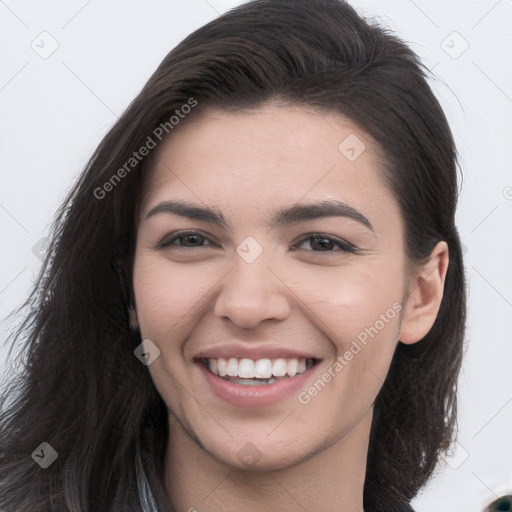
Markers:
{"x": 268, "y": 247}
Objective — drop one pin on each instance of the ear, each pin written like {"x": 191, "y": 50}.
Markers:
{"x": 425, "y": 294}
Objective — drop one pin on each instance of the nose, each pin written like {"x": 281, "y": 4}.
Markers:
{"x": 252, "y": 293}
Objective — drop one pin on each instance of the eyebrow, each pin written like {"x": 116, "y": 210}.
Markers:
{"x": 295, "y": 214}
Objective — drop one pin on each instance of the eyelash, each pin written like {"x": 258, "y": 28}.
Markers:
{"x": 341, "y": 244}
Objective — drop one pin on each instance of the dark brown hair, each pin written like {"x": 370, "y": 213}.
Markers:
{"x": 81, "y": 389}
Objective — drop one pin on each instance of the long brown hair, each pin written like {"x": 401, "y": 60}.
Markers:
{"x": 82, "y": 390}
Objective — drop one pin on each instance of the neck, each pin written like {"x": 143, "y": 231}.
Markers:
{"x": 332, "y": 479}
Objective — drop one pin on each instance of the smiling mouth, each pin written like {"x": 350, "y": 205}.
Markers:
{"x": 249, "y": 372}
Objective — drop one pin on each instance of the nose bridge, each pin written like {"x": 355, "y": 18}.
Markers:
{"x": 250, "y": 293}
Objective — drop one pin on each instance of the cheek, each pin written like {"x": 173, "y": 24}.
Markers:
{"x": 165, "y": 296}
{"x": 347, "y": 302}
{"x": 359, "y": 313}
{"x": 358, "y": 310}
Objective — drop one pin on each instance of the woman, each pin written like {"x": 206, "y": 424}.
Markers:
{"x": 254, "y": 297}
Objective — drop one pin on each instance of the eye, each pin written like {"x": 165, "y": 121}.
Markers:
{"x": 186, "y": 240}
{"x": 324, "y": 243}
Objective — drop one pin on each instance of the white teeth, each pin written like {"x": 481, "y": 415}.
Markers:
{"x": 279, "y": 368}
{"x": 222, "y": 366}
{"x": 246, "y": 368}
{"x": 261, "y": 369}
{"x": 291, "y": 367}
{"x": 214, "y": 366}
{"x": 253, "y": 382}
{"x": 233, "y": 367}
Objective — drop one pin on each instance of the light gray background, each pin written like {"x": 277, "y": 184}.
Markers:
{"x": 55, "y": 110}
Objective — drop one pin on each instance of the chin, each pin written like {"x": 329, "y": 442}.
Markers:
{"x": 259, "y": 453}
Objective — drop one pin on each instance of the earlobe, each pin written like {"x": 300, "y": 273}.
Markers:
{"x": 425, "y": 296}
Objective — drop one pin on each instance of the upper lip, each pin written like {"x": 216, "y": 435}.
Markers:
{"x": 253, "y": 352}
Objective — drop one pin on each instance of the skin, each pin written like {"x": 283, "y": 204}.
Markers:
{"x": 295, "y": 295}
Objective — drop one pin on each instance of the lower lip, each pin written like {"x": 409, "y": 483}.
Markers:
{"x": 242, "y": 395}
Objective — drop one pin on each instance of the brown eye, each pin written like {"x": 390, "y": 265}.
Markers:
{"x": 191, "y": 240}
{"x": 185, "y": 240}
{"x": 322, "y": 243}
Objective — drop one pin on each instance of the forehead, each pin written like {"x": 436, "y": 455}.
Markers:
{"x": 272, "y": 154}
